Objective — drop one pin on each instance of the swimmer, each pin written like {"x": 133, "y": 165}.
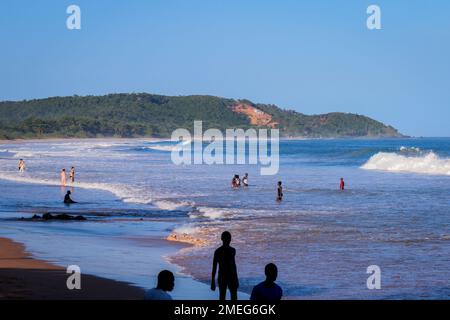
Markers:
{"x": 245, "y": 180}
{"x": 63, "y": 177}
{"x": 279, "y": 192}
{"x": 236, "y": 182}
{"x": 67, "y": 199}
{"x": 342, "y": 184}
{"x": 21, "y": 165}
{"x": 72, "y": 174}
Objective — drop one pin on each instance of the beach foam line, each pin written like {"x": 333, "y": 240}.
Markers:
{"x": 211, "y": 213}
{"x": 429, "y": 163}
{"x": 168, "y": 205}
{"x": 125, "y": 193}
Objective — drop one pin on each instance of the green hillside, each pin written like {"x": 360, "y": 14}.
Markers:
{"x": 137, "y": 115}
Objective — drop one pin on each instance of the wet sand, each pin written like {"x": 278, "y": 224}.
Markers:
{"x": 22, "y": 277}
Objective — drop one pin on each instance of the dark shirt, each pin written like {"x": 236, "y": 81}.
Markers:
{"x": 266, "y": 292}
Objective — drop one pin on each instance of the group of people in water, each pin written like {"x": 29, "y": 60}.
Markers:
{"x": 236, "y": 183}
{"x": 224, "y": 264}
{"x": 63, "y": 176}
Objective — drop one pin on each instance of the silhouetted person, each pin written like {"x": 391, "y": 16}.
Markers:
{"x": 268, "y": 290}
{"x": 342, "y": 184}
{"x": 67, "y": 199}
{"x": 166, "y": 282}
{"x": 227, "y": 277}
{"x": 279, "y": 192}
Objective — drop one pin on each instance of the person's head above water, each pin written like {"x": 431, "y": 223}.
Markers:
{"x": 68, "y": 192}
{"x": 226, "y": 237}
{"x": 63, "y": 169}
{"x": 166, "y": 281}
{"x": 279, "y": 183}
{"x": 271, "y": 272}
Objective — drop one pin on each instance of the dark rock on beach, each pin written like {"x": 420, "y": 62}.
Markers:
{"x": 48, "y": 216}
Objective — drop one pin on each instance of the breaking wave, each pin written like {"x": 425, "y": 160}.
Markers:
{"x": 125, "y": 193}
{"x": 429, "y": 163}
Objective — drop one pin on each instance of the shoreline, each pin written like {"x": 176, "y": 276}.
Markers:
{"x": 12, "y": 141}
{"x": 156, "y": 139}
{"x": 24, "y": 277}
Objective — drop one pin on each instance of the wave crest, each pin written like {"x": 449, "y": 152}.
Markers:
{"x": 429, "y": 163}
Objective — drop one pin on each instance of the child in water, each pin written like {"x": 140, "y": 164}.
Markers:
{"x": 63, "y": 177}
{"x": 279, "y": 192}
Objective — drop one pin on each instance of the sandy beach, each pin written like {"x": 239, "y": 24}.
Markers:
{"x": 23, "y": 277}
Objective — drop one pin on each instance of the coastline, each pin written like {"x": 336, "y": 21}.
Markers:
{"x": 24, "y": 277}
{"x": 61, "y": 139}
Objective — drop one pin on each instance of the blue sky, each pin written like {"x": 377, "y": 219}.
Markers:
{"x": 313, "y": 57}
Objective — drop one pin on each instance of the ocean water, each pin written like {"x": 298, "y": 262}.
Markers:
{"x": 394, "y": 213}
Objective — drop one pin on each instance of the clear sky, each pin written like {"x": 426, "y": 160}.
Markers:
{"x": 314, "y": 57}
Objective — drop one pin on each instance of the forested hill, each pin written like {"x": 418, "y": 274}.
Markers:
{"x": 138, "y": 115}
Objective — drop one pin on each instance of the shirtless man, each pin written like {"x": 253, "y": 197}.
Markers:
{"x": 227, "y": 278}
{"x": 279, "y": 192}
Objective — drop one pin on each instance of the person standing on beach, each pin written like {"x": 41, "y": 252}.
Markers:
{"x": 224, "y": 257}
{"x": 268, "y": 290}
{"x": 166, "y": 282}
{"x": 63, "y": 177}
{"x": 342, "y": 184}
{"x": 21, "y": 165}
{"x": 279, "y": 192}
{"x": 72, "y": 174}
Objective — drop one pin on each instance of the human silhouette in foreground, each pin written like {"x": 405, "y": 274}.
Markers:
{"x": 166, "y": 283}
{"x": 268, "y": 290}
{"x": 279, "y": 192}
{"x": 68, "y": 199}
{"x": 224, "y": 257}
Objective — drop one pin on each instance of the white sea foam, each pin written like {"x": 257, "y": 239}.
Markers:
{"x": 171, "y": 205}
{"x": 123, "y": 192}
{"x": 212, "y": 213}
{"x": 409, "y": 149}
{"x": 168, "y": 148}
{"x": 429, "y": 163}
{"x": 186, "y": 229}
